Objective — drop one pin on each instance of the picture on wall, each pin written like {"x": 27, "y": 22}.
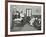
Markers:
{"x": 25, "y": 18}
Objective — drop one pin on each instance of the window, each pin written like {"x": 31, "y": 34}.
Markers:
{"x": 29, "y": 12}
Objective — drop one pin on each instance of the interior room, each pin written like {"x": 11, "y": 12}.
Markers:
{"x": 25, "y": 18}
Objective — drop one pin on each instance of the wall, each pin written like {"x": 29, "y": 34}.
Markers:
{"x": 36, "y": 10}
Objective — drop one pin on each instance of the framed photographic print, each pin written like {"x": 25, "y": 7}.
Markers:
{"x": 25, "y": 18}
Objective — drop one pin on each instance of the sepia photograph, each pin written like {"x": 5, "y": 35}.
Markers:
{"x": 24, "y": 18}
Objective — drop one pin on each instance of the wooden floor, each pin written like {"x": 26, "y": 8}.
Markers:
{"x": 26, "y": 27}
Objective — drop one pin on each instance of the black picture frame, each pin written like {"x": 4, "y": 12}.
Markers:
{"x": 6, "y": 17}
